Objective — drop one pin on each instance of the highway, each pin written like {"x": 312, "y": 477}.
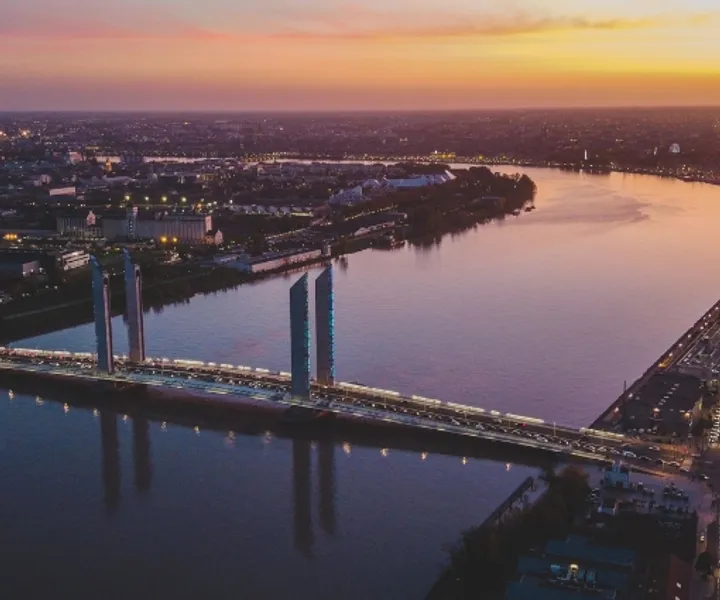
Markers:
{"x": 235, "y": 383}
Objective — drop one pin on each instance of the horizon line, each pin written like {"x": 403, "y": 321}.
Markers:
{"x": 352, "y": 110}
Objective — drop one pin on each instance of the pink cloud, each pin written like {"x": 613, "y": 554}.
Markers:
{"x": 356, "y": 23}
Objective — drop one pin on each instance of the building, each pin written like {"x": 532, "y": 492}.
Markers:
{"x": 161, "y": 227}
{"x": 63, "y": 191}
{"x": 18, "y": 266}
{"x": 300, "y": 338}
{"x": 541, "y": 577}
{"x": 617, "y": 476}
{"x": 277, "y": 260}
{"x": 131, "y": 219}
{"x": 579, "y": 548}
{"x": 350, "y": 197}
{"x": 67, "y": 260}
{"x": 134, "y": 309}
{"x": 325, "y": 327}
{"x": 214, "y": 237}
{"x": 574, "y": 568}
{"x": 101, "y": 309}
{"x": 19, "y": 263}
{"x": 419, "y": 181}
{"x": 77, "y": 226}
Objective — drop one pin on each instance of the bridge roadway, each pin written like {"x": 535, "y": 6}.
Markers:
{"x": 235, "y": 383}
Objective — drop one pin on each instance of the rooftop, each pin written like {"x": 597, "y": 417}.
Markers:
{"x": 539, "y": 566}
{"x": 583, "y": 549}
{"x": 528, "y": 589}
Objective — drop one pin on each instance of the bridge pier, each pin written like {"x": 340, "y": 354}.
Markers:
{"x": 134, "y": 309}
{"x": 101, "y": 310}
{"x": 325, "y": 327}
{"x": 300, "y": 338}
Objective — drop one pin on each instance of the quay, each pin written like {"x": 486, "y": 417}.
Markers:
{"x": 706, "y": 324}
{"x": 508, "y": 506}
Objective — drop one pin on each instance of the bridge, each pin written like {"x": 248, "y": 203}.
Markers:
{"x": 235, "y": 385}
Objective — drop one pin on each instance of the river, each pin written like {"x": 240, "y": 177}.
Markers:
{"x": 544, "y": 314}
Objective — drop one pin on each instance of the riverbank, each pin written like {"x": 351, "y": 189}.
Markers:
{"x": 667, "y": 360}
{"x": 156, "y": 296}
{"x": 524, "y": 163}
{"x": 430, "y": 212}
{"x": 486, "y": 556}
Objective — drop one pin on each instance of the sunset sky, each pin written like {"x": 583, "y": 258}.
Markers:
{"x": 331, "y": 54}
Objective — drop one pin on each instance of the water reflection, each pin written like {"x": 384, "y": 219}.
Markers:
{"x": 141, "y": 455}
{"x": 110, "y": 460}
{"x": 302, "y": 490}
{"x": 326, "y": 477}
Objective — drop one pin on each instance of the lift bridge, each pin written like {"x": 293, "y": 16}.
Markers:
{"x": 235, "y": 385}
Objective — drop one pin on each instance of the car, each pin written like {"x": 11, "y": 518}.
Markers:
{"x": 654, "y": 448}
{"x": 703, "y": 476}
{"x": 673, "y": 463}
{"x": 628, "y": 454}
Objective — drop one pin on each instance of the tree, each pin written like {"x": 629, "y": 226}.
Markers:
{"x": 705, "y": 562}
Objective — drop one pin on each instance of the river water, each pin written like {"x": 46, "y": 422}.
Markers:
{"x": 544, "y": 314}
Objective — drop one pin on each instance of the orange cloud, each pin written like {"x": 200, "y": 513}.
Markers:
{"x": 488, "y": 27}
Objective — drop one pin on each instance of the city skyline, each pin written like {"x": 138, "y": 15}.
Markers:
{"x": 156, "y": 55}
